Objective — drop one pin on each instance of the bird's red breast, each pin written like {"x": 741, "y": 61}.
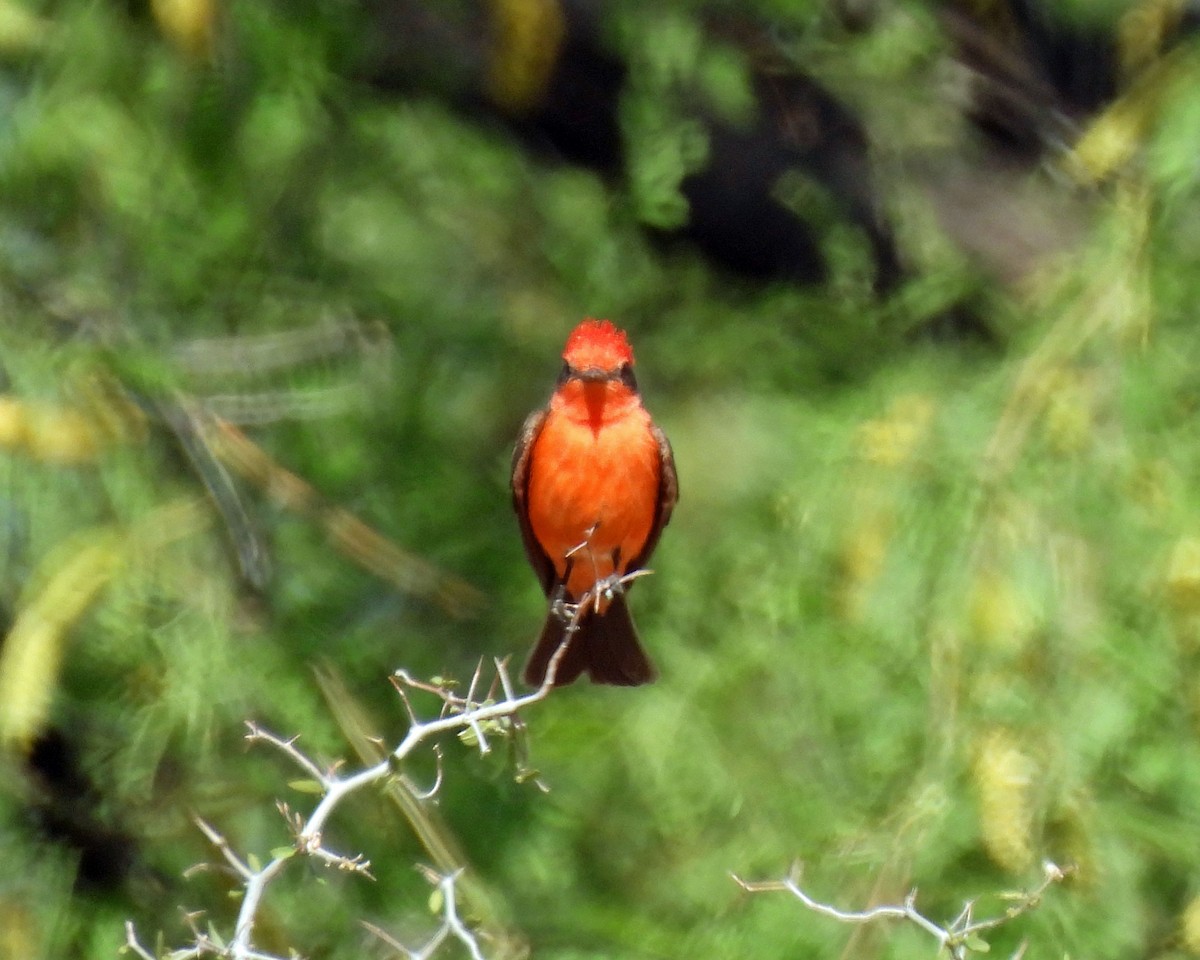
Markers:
{"x": 594, "y": 479}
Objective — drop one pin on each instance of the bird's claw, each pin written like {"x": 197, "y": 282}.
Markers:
{"x": 604, "y": 589}
{"x": 560, "y": 608}
{"x": 609, "y": 587}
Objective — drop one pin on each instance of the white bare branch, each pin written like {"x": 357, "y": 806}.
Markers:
{"x": 958, "y": 938}
{"x": 452, "y": 926}
{"x": 476, "y": 713}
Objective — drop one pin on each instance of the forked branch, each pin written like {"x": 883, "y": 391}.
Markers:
{"x": 959, "y": 938}
{"x": 478, "y": 716}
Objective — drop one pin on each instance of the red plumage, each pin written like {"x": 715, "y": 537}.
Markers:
{"x": 593, "y": 486}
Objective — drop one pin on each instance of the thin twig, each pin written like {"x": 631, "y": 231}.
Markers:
{"x": 451, "y": 926}
{"x": 131, "y": 941}
{"x": 958, "y": 938}
{"x": 256, "y": 734}
{"x": 458, "y": 712}
{"x": 219, "y": 841}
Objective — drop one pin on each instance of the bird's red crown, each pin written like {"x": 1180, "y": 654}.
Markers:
{"x": 597, "y": 343}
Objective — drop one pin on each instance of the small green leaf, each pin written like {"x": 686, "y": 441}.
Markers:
{"x": 253, "y": 862}
{"x": 976, "y": 944}
{"x": 436, "y": 900}
{"x": 307, "y": 786}
{"x": 282, "y": 853}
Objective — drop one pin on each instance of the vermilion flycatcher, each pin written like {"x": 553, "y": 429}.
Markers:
{"x": 593, "y": 485}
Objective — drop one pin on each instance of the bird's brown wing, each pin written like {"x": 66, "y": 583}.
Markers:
{"x": 668, "y": 496}
{"x": 542, "y": 565}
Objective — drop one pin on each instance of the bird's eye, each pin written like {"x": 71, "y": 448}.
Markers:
{"x": 564, "y": 374}
{"x": 627, "y": 377}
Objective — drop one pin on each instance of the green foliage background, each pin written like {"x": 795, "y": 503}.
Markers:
{"x": 926, "y": 614}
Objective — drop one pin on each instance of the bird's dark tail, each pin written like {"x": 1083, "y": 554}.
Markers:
{"x": 605, "y": 645}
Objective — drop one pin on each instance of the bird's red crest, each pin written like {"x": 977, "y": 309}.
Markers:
{"x": 597, "y": 343}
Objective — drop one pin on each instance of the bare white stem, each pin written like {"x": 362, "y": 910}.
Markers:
{"x": 256, "y": 886}
{"x": 131, "y": 941}
{"x": 288, "y": 747}
{"x": 452, "y": 925}
{"x": 457, "y": 713}
{"x": 219, "y": 841}
{"x": 457, "y": 928}
{"x": 958, "y": 938}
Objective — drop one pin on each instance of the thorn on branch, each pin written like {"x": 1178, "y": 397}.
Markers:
{"x": 294, "y": 821}
{"x": 501, "y": 664}
{"x": 219, "y": 841}
{"x": 289, "y": 749}
{"x": 432, "y": 792}
{"x": 470, "y": 698}
{"x": 356, "y": 864}
{"x": 959, "y": 937}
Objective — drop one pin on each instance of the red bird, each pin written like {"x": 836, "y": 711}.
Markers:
{"x": 593, "y": 484}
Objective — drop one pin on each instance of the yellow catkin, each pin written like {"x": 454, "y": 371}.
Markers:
{"x": 892, "y": 440}
{"x": 884, "y": 444}
{"x": 12, "y": 423}
{"x": 20, "y": 938}
{"x": 32, "y": 651}
{"x": 1189, "y": 926}
{"x": 1152, "y": 485}
{"x": 67, "y": 584}
{"x": 1182, "y": 579}
{"x": 1003, "y": 775}
{"x": 866, "y": 547}
{"x": 999, "y": 613}
{"x": 1116, "y": 136}
{"x": 189, "y": 25}
{"x": 1109, "y": 142}
{"x": 68, "y": 436}
{"x": 62, "y": 436}
{"x": 1068, "y": 419}
{"x": 527, "y": 37}
{"x": 861, "y": 561}
{"x": 1142, "y": 33}
{"x": 21, "y": 31}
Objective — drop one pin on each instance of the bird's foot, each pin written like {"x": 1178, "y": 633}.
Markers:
{"x": 608, "y": 587}
{"x": 561, "y": 608}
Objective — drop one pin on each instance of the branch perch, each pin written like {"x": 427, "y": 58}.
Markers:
{"x": 479, "y": 715}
